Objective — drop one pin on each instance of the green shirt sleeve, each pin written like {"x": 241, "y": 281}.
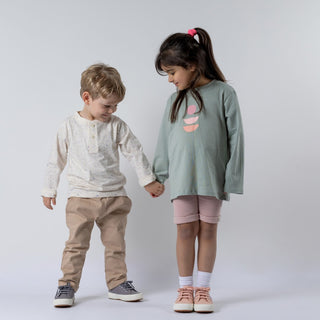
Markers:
{"x": 235, "y": 165}
{"x": 161, "y": 158}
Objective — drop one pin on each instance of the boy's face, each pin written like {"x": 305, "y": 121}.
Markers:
{"x": 100, "y": 108}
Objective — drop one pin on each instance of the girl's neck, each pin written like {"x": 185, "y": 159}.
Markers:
{"x": 202, "y": 81}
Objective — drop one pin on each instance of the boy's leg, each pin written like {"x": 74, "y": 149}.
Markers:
{"x": 80, "y": 221}
{"x": 112, "y": 222}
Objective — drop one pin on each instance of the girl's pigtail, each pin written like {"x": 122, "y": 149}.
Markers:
{"x": 213, "y": 70}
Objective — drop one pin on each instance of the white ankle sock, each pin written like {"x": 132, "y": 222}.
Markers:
{"x": 203, "y": 279}
{"x": 186, "y": 281}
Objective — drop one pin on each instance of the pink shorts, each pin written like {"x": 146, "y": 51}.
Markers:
{"x": 193, "y": 208}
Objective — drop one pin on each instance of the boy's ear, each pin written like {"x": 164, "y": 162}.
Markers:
{"x": 86, "y": 97}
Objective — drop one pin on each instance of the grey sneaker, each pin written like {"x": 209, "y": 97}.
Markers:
{"x": 125, "y": 292}
{"x": 64, "y": 296}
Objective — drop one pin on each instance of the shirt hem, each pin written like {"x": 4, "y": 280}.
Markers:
{"x": 78, "y": 193}
{"x": 219, "y": 196}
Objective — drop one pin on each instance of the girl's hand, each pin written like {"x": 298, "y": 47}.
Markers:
{"x": 47, "y": 202}
{"x": 155, "y": 189}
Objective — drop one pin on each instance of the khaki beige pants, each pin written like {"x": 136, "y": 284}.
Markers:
{"x": 110, "y": 215}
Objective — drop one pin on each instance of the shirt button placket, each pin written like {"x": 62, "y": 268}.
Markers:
{"x": 93, "y": 140}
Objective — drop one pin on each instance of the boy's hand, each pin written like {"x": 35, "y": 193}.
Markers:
{"x": 155, "y": 189}
{"x": 47, "y": 202}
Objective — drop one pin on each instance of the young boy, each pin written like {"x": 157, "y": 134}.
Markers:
{"x": 89, "y": 142}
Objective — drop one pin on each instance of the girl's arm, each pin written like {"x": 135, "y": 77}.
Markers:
{"x": 235, "y": 165}
{"x": 161, "y": 158}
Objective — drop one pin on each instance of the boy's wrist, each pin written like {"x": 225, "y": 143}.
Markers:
{"x": 147, "y": 181}
{"x": 49, "y": 193}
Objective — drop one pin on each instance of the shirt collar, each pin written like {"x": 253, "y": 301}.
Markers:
{"x": 85, "y": 121}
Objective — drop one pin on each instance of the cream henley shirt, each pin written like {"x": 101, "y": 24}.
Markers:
{"x": 91, "y": 150}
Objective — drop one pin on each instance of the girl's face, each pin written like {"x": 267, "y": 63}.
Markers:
{"x": 180, "y": 76}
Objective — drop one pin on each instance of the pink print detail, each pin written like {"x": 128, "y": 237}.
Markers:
{"x": 191, "y": 128}
{"x": 191, "y": 120}
{"x": 191, "y": 109}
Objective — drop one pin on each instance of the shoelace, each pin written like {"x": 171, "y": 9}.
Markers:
{"x": 184, "y": 293}
{"x": 128, "y": 285}
{"x": 203, "y": 293}
{"x": 64, "y": 289}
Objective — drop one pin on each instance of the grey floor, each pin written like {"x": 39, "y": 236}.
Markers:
{"x": 249, "y": 298}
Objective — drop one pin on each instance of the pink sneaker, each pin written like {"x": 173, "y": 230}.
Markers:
{"x": 184, "y": 302}
{"x": 202, "y": 300}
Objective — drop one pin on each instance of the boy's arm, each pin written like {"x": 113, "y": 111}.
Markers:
{"x": 57, "y": 162}
{"x": 132, "y": 150}
{"x": 235, "y": 165}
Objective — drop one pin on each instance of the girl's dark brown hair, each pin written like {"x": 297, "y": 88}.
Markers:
{"x": 181, "y": 49}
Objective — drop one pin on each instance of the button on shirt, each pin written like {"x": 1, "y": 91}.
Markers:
{"x": 91, "y": 149}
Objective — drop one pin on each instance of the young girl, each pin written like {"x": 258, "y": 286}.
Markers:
{"x": 200, "y": 146}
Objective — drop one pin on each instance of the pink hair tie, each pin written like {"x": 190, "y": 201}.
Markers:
{"x": 192, "y": 32}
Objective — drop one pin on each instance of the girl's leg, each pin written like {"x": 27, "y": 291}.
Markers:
{"x": 186, "y": 216}
{"x": 186, "y": 236}
{"x": 209, "y": 210}
{"x": 207, "y": 246}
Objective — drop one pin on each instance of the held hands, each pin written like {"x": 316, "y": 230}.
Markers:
{"x": 47, "y": 202}
{"x": 155, "y": 189}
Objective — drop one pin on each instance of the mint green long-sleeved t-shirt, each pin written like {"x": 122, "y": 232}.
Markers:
{"x": 202, "y": 153}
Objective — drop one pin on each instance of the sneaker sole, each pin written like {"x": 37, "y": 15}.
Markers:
{"x": 205, "y": 308}
{"x": 63, "y": 303}
{"x": 179, "y": 307}
{"x": 127, "y": 298}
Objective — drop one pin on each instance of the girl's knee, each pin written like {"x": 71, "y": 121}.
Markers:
{"x": 208, "y": 230}
{"x": 188, "y": 230}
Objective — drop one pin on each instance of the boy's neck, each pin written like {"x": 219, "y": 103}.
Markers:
{"x": 84, "y": 113}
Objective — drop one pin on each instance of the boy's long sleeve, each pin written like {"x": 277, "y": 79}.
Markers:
{"x": 161, "y": 157}
{"x": 133, "y": 151}
{"x": 56, "y": 163}
{"x": 235, "y": 165}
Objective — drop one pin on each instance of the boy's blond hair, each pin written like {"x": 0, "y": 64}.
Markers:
{"x": 101, "y": 80}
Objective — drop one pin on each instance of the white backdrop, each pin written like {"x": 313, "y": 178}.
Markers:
{"x": 268, "y": 50}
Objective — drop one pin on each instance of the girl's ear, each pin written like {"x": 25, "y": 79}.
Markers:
{"x": 86, "y": 97}
{"x": 192, "y": 67}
